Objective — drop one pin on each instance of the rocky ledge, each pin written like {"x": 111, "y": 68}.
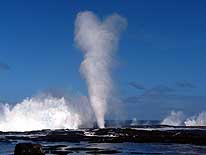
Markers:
{"x": 140, "y": 134}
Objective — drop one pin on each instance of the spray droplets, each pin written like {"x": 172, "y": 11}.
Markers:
{"x": 178, "y": 118}
{"x": 98, "y": 40}
{"x": 39, "y": 113}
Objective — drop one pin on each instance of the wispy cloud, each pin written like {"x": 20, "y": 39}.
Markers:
{"x": 136, "y": 85}
{"x": 185, "y": 84}
{"x": 4, "y": 66}
{"x": 160, "y": 89}
{"x": 156, "y": 102}
{"x": 162, "y": 104}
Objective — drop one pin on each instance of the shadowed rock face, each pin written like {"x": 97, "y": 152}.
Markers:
{"x": 28, "y": 149}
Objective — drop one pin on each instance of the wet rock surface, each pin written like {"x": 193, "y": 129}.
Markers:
{"x": 139, "y": 134}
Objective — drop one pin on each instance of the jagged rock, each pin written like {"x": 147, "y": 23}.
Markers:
{"x": 28, "y": 149}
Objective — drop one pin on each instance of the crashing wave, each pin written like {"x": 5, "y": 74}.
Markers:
{"x": 199, "y": 120}
{"x": 40, "y": 113}
{"x": 174, "y": 119}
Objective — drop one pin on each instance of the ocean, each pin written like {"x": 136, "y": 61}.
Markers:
{"x": 7, "y": 148}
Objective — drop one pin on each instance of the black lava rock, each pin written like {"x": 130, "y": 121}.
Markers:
{"x": 28, "y": 149}
{"x": 139, "y": 134}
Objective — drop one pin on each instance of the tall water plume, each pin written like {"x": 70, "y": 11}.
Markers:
{"x": 98, "y": 40}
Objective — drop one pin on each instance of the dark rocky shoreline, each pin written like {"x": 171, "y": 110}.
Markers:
{"x": 139, "y": 134}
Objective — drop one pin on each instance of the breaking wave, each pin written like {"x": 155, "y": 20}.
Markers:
{"x": 174, "y": 119}
{"x": 177, "y": 119}
{"x": 39, "y": 113}
{"x": 199, "y": 120}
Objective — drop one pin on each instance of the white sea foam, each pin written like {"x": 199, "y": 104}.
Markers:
{"x": 38, "y": 113}
{"x": 198, "y": 120}
{"x": 178, "y": 118}
{"x": 174, "y": 119}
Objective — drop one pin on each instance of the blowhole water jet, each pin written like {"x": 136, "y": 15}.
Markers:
{"x": 98, "y": 40}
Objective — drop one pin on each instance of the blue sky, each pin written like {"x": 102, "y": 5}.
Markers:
{"x": 162, "y": 49}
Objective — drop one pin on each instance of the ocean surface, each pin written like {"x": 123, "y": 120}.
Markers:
{"x": 7, "y": 148}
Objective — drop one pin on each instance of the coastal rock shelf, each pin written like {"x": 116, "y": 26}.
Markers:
{"x": 139, "y": 134}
